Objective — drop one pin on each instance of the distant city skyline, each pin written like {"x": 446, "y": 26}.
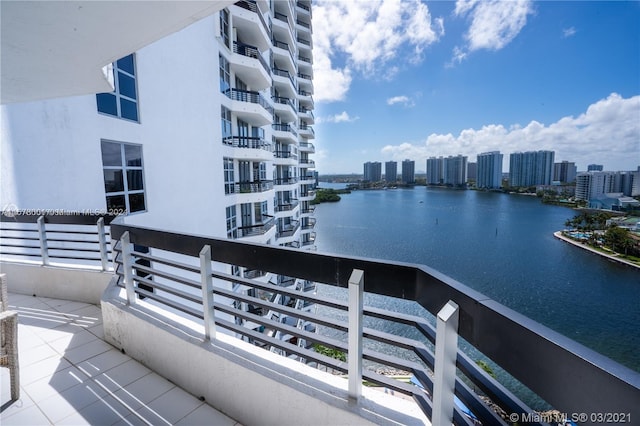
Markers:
{"x": 463, "y": 78}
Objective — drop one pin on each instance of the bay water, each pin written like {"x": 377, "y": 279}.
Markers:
{"x": 501, "y": 245}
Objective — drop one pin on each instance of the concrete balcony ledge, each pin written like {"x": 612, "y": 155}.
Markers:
{"x": 248, "y": 384}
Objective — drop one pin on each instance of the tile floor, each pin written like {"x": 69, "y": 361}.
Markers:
{"x": 70, "y": 376}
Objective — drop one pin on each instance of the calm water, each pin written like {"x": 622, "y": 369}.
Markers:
{"x": 501, "y": 245}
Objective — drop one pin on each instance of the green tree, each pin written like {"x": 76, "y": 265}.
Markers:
{"x": 618, "y": 239}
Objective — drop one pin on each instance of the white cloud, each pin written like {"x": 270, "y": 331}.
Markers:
{"x": 404, "y": 100}
{"x": 363, "y": 37}
{"x": 609, "y": 129}
{"x": 568, "y": 32}
{"x": 494, "y": 24}
{"x": 343, "y": 117}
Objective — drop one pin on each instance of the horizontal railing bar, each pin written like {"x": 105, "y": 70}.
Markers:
{"x": 18, "y": 229}
{"x": 60, "y": 256}
{"x": 60, "y": 231}
{"x": 276, "y": 289}
{"x": 282, "y": 327}
{"x": 63, "y": 240}
{"x": 325, "y": 321}
{"x": 168, "y": 302}
{"x": 175, "y": 264}
{"x": 168, "y": 289}
{"x": 280, "y": 344}
{"x": 168, "y": 275}
{"x": 20, "y": 254}
{"x": 87, "y": 250}
{"x": 490, "y": 386}
{"x": 19, "y": 246}
{"x": 58, "y": 219}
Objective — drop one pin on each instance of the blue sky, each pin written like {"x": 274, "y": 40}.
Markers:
{"x": 410, "y": 79}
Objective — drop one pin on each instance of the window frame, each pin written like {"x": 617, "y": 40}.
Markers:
{"x": 124, "y": 168}
{"x": 117, "y": 71}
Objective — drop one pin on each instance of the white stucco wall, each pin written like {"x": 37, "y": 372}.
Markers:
{"x": 50, "y": 155}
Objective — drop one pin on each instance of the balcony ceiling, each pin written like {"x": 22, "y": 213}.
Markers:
{"x": 60, "y": 48}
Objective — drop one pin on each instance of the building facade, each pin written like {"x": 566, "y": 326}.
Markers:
{"x": 372, "y": 171}
{"x": 455, "y": 170}
{"x": 391, "y": 171}
{"x": 531, "y": 168}
{"x": 564, "y": 172}
{"x": 489, "y": 170}
{"x": 152, "y": 148}
{"x": 408, "y": 172}
{"x": 435, "y": 171}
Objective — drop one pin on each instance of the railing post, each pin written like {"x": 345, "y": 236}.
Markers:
{"x": 445, "y": 364}
{"x": 102, "y": 241}
{"x": 207, "y": 293}
{"x": 127, "y": 265}
{"x": 44, "y": 247}
{"x": 356, "y": 292}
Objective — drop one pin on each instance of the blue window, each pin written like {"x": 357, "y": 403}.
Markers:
{"x": 123, "y": 177}
{"x": 123, "y": 101}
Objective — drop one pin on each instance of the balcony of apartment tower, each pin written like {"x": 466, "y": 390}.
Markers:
{"x": 249, "y": 18}
{"x": 112, "y": 337}
{"x": 285, "y": 132}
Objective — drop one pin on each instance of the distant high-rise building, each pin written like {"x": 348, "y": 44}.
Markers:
{"x": 408, "y": 172}
{"x": 531, "y": 168}
{"x": 472, "y": 171}
{"x": 373, "y": 171}
{"x": 595, "y": 167}
{"x": 455, "y": 170}
{"x": 391, "y": 171}
{"x": 435, "y": 171}
{"x": 489, "y": 170}
{"x": 564, "y": 172}
{"x": 594, "y": 184}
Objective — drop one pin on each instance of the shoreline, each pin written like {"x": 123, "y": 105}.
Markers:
{"x": 558, "y": 234}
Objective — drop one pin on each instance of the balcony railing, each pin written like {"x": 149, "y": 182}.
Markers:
{"x": 285, "y": 154}
{"x": 250, "y": 52}
{"x": 307, "y": 60}
{"x": 249, "y": 96}
{"x": 284, "y": 73}
{"x": 48, "y": 238}
{"x": 285, "y": 206}
{"x": 285, "y": 181}
{"x": 252, "y": 6}
{"x": 284, "y": 128}
{"x": 567, "y": 375}
{"x": 258, "y": 229}
{"x": 252, "y": 142}
{"x": 256, "y": 186}
{"x": 288, "y": 230}
{"x": 283, "y": 101}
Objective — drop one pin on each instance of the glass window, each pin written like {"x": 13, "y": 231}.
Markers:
{"x": 123, "y": 101}
{"x": 225, "y": 74}
{"x": 225, "y": 116}
{"x": 123, "y": 177}
{"x": 224, "y": 26}
{"x": 232, "y": 223}
{"x": 229, "y": 179}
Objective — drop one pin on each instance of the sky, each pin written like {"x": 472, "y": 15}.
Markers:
{"x": 412, "y": 79}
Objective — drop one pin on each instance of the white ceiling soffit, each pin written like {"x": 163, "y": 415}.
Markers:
{"x": 60, "y": 48}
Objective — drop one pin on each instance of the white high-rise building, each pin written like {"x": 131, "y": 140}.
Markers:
{"x": 489, "y": 170}
{"x": 208, "y": 131}
{"x": 455, "y": 170}
{"x": 435, "y": 171}
{"x": 531, "y": 168}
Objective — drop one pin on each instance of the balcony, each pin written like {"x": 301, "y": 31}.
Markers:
{"x": 306, "y": 131}
{"x": 249, "y": 22}
{"x": 306, "y": 114}
{"x": 250, "y": 66}
{"x": 285, "y": 108}
{"x": 285, "y": 79}
{"x": 250, "y": 106}
{"x": 285, "y": 133}
{"x": 252, "y": 187}
{"x": 306, "y": 195}
{"x": 288, "y": 230}
{"x": 248, "y": 148}
{"x": 307, "y": 147}
{"x": 257, "y": 229}
{"x": 286, "y": 206}
{"x": 169, "y": 332}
